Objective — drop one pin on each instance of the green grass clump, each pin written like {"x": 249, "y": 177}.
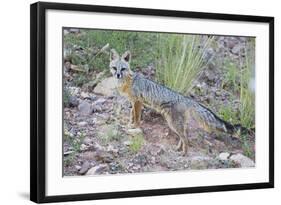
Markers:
{"x": 247, "y": 92}
{"x": 112, "y": 133}
{"x": 74, "y": 141}
{"x": 136, "y": 143}
{"x": 66, "y": 96}
{"x": 80, "y": 79}
{"x": 247, "y": 106}
{"x": 232, "y": 76}
{"x": 180, "y": 60}
{"x": 247, "y": 151}
{"x": 237, "y": 80}
{"x": 75, "y": 144}
{"x": 228, "y": 114}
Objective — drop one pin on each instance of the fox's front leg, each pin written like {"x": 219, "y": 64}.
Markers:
{"x": 132, "y": 116}
{"x": 136, "y": 114}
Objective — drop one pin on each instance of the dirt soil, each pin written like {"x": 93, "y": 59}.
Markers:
{"x": 101, "y": 138}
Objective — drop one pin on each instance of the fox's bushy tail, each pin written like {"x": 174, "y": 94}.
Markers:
{"x": 215, "y": 122}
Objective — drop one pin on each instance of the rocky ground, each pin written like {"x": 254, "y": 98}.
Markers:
{"x": 97, "y": 139}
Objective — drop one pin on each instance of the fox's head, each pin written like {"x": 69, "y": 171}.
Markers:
{"x": 120, "y": 66}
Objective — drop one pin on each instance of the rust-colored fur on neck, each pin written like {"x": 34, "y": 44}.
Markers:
{"x": 125, "y": 85}
{"x": 125, "y": 88}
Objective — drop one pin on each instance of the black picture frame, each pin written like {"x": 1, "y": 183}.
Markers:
{"x": 38, "y": 101}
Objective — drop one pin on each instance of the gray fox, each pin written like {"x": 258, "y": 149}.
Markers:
{"x": 174, "y": 107}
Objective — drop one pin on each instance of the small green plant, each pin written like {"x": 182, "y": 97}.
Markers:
{"x": 247, "y": 151}
{"x": 75, "y": 141}
{"x": 238, "y": 79}
{"x": 180, "y": 60}
{"x": 136, "y": 143}
{"x": 75, "y": 144}
{"x": 69, "y": 159}
{"x": 80, "y": 80}
{"x": 228, "y": 114}
{"x": 232, "y": 76}
{"x": 66, "y": 96}
{"x": 112, "y": 133}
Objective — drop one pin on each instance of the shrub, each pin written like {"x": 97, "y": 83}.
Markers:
{"x": 180, "y": 60}
{"x": 112, "y": 133}
{"x": 247, "y": 90}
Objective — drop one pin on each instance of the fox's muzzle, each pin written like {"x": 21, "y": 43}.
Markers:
{"x": 118, "y": 75}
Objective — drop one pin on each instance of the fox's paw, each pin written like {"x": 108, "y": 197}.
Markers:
{"x": 134, "y": 131}
{"x": 179, "y": 146}
{"x": 133, "y": 125}
{"x": 182, "y": 149}
{"x": 184, "y": 153}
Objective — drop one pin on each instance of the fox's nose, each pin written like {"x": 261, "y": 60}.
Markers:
{"x": 118, "y": 75}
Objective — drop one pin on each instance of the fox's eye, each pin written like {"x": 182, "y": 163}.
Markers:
{"x": 114, "y": 68}
{"x": 122, "y": 69}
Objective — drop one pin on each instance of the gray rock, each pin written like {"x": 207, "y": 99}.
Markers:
{"x": 211, "y": 76}
{"x": 74, "y": 90}
{"x": 156, "y": 150}
{"x": 127, "y": 143}
{"x": 82, "y": 124}
{"x": 84, "y": 95}
{"x": 236, "y": 49}
{"x": 112, "y": 149}
{"x": 208, "y": 54}
{"x": 97, "y": 169}
{"x": 98, "y": 122}
{"x": 140, "y": 159}
{"x": 65, "y": 32}
{"x": 97, "y": 108}
{"x": 231, "y": 42}
{"x": 106, "y": 87}
{"x": 78, "y": 167}
{"x": 134, "y": 131}
{"x": 224, "y": 156}
{"x": 218, "y": 93}
{"x": 74, "y": 30}
{"x": 68, "y": 153}
{"x": 85, "y": 167}
{"x": 83, "y": 147}
{"x": 98, "y": 147}
{"x": 100, "y": 101}
{"x": 85, "y": 108}
{"x": 243, "y": 39}
{"x": 87, "y": 140}
{"x": 73, "y": 101}
{"x": 242, "y": 160}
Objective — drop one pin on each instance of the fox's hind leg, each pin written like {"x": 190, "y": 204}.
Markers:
{"x": 183, "y": 143}
{"x": 179, "y": 146}
{"x": 177, "y": 126}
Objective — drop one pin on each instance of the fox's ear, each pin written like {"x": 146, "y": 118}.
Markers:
{"x": 127, "y": 56}
{"x": 113, "y": 54}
